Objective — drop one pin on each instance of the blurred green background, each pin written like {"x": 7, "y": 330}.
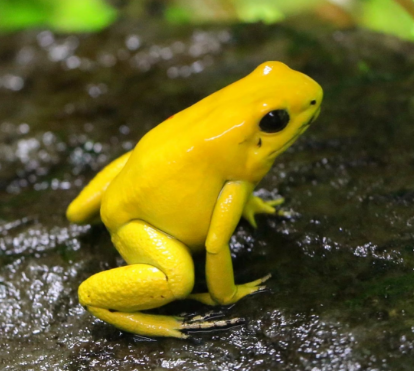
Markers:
{"x": 389, "y": 16}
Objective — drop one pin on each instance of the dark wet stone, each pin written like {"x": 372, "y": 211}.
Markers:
{"x": 342, "y": 289}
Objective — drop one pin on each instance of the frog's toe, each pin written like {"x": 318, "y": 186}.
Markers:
{"x": 287, "y": 213}
{"x": 249, "y": 216}
{"x": 213, "y": 314}
{"x": 258, "y": 282}
{"x": 201, "y": 325}
{"x": 250, "y": 288}
{"x": 276, "y": 202}
{"x": 266, "y": 208}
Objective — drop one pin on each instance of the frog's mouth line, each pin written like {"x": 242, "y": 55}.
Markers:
{"x": 313, "y": 118}
{"x": 287, "y": 144}
{"x": 301, "y": 130}
{"x": 291, "y": 140}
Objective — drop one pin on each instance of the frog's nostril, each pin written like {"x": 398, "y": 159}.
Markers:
{"x": 313, "y": 102}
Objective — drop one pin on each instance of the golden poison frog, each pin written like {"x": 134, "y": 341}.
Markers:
{"x": 183, "y": 189}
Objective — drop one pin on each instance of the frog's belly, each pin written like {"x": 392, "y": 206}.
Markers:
{"x": 186, "y": 218}
{"x": 191, "y": 229}
{"x": 182, "y": 212}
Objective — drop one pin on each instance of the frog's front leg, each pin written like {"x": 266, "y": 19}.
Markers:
{"x": 255, "y": 205}
{"x": 160, "y": 270}
{"x": 219, "y": 267}
{"x": 85, "y": 208}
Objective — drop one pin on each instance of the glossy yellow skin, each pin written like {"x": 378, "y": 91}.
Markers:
{"x": 183, "y": 189}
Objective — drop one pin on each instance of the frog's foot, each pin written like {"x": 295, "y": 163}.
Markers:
{"x": 241, "y": 291}
{"x": 212, "y": 314}
{"x": 255, "y": 205}
{"x": 205, "y": 322}
{"x": 157, "y": 325}
{"x": 141, "y": 323}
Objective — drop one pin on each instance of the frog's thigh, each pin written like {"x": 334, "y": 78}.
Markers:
{"x": 126, "y": 289}
{"x": 116, "y": 296}
{"x": 160, "y": 271}
{"x": 140, "y": 243}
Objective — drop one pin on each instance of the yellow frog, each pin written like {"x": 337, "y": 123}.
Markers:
{"x": 183, "y": 189}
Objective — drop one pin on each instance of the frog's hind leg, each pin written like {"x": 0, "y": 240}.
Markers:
{"x": 116, "y": 296}
{"x": 160, "y": 271}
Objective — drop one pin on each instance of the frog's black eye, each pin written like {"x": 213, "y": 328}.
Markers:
{"x": 274, "y": 121}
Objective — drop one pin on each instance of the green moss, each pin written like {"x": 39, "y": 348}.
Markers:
{"x": 386, "y": 16}
{"x": 60, "y": 15}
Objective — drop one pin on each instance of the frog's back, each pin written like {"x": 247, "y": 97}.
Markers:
{"x": 176, "y": 172}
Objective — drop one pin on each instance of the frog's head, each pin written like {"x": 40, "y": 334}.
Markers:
{"x": 287, "y": 103}
{"x": 260, "y": 116}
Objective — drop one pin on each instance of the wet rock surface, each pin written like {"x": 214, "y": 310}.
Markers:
{"x": 342, "y": 288}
